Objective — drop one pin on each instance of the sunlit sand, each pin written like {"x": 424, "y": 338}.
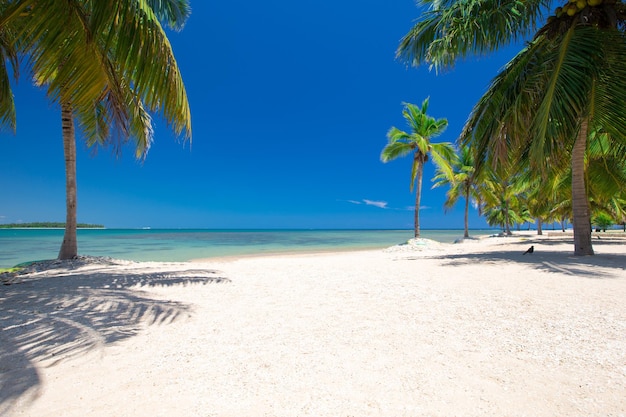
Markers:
{"x": 470, "y": 329}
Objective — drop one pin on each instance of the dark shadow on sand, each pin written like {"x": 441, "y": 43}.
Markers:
{"x": 546, "y": 259}
{"x": 65, "y": 313}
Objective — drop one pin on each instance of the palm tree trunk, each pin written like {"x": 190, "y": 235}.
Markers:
{"x": 539, "y": 226}
{"x": 466, "y": 216}
{"x": 69, "y": 247}
{"x": 507, "y": 221}
{"x": 580, "y": 203}
{"x": 418, "y": 197}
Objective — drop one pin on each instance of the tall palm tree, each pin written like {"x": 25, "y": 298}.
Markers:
{"x": 107, "y": 64}
{"x": 565, "y": 85}
{"x": 423, "y": 129}
{"x": 462, "y": 183}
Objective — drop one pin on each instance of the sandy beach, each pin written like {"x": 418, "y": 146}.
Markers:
{"x": 469, "y": 329}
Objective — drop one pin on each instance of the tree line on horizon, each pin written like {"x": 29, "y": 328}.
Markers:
{"x": 547, "y": 141}
{"x": 48, "y": 225}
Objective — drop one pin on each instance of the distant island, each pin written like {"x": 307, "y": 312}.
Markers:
{"x": 47, "y": 225}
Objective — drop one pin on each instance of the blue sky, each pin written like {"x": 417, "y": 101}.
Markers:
{"x": 291, "y": 102}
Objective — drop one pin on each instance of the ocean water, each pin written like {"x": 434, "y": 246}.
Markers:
{"x": 24, "y": 245}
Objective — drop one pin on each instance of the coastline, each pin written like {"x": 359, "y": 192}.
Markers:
{"x": 473, "y": 329}
{"x": 184, "y": 244}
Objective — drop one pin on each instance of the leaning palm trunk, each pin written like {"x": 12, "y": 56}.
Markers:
{"x": 418, "y": 197}
{"x": 580, "y": 203}
{"x": 466, "y": 215}
{"x": 69, "y": 247}
{"x": 507, "y": 219}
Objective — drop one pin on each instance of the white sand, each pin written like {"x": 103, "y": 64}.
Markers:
{"x": 474, "y": 329}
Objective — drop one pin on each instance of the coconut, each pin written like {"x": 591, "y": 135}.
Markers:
{"x": 572, "y": 9}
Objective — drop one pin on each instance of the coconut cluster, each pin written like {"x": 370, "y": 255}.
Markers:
{"x": 574, "y": 6}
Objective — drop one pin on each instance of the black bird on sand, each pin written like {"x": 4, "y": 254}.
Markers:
{"x": 530, "y": 250}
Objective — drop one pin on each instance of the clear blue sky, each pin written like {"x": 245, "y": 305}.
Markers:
{"x": 291, "y": 102}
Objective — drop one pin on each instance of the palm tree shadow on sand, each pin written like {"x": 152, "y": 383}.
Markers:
{"x": 64, "y": 312}
{"x": 603, "y": 265}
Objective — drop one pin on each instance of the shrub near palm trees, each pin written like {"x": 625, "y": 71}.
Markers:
{"x": 108, "y": 64}
{"x": 400, "y": 143}
{"x": 565, "y": 85}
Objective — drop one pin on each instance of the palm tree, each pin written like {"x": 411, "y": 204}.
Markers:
{"x": 400, "y": 143}
{"x": 565, "y": 85}
{"x": 462, "y": 183}
{"x": 107, "y": 64}
{"x": 500, "y": 194}
{"x": 538, "y": 198}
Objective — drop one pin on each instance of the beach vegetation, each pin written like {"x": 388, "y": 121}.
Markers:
{"x": 418, "y": 143}
{"x": 108, "y": 65}
{"x": 500, "y": 196}
{"x": 48, "y": 225}
{"x": 603, "y": 221}
{"x": 560, "y": 97}
{"x": 548, "y": 198}
{"x": 11, "y": 270}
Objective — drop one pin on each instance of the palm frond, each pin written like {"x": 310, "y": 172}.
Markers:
{"x": 111, "y": 60}
{"x": 141, "y": 49}
{"x": 452, "y": 29}
{"x": 443, "y": 155}
{"x": 397, "y": 147}
{"x": 8, "y": 55}
{"x": 533, "y": 107}
{"x": 173, "y": 12}
{"x": 423, "y": 127}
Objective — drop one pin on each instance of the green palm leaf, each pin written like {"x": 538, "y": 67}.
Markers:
{"x": 9, "y": 55}
{"x": 533, "y": 107}
{"x": 116, "y": 51}
{"x": 452, "y": 29}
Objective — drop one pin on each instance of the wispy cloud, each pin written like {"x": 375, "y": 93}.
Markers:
{"x": 379, "y": 204}
{"x": 383, "y": 205}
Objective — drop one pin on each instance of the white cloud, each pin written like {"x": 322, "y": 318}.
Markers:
{"x": 379, "y": 204}
{"x": 384, "y": 205}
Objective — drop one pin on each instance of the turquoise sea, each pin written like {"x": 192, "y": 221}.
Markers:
{"x": 23, "y": 245}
